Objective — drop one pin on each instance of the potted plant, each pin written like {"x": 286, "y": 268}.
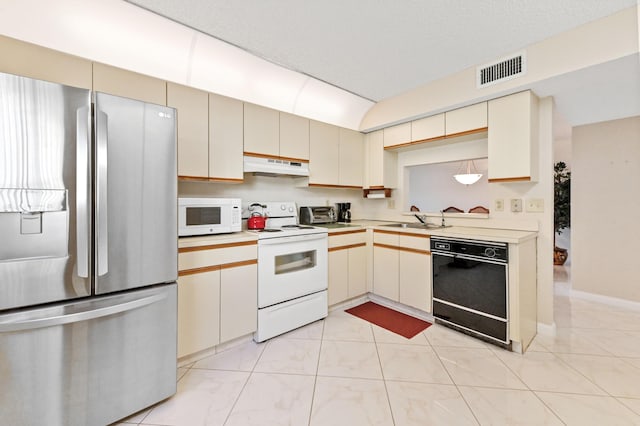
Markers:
{"x": 561, "y": 207}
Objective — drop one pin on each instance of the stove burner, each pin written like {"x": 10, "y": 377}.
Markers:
{"x": 297, "y": 227}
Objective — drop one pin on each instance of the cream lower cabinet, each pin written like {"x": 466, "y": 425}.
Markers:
{"x": 217, "y": 294}
{"x": 415, "y": 271}
{"x": 386, "y": 264}
{"x": 198, "y": 312}
{"x": 347, "y": 265}
{"x": 238, "y": 301}
{"x": 402, "y": 268}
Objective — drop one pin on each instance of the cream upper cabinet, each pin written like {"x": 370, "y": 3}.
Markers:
{"x": 324, "y": 153}
{"x": 381, "y": 167}
{"x": 294, "y": 136}
{"x": 261, "y": 130}
{"x": 225, "y": 138}
{"x": 397, "y": 135}
{"x": 351, "y": 162}
{"x": 193, "y": 129}
{"x": 428, "y": 128}
{"x": 467, "y": 119}
{"x": 512, "y": 139}
{"x": 29, "y": 60}
{"x": 119, "y": 82}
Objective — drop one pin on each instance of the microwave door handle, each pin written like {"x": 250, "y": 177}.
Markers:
{"x": 101, "y": 193}
{"x": 83, "y": 171}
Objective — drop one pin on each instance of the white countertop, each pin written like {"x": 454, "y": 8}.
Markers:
{"x": 204, "y": 240}
{"x": 488, "y": 234}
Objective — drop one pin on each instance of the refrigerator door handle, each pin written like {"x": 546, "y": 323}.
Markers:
{"x": 85, "y": 315}
{"x": 101, "y": 193}
{"x": 82, "y": 190}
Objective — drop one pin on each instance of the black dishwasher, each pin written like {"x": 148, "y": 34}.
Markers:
{"x": 470, "y": 287}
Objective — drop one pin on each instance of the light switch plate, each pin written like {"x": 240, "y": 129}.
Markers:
{"x": 535, "y": 205}
{"x": 516, "y": 205}
{"x": 498, "y": 205}
{"x": 391, "y": 204}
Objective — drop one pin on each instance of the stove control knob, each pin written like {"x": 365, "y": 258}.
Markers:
{"x": 290, "y": 209}
{"x": 489, "y": 252}
{"x": 283, "y": 207}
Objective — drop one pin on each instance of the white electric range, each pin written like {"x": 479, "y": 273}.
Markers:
{"x": 292, "y": 270}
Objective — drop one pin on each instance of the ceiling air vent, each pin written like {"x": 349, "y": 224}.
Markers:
{"x": 502, "y": 70}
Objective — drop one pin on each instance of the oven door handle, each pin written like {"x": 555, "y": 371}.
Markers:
{"x": 293, "y": 238}
{"x": 479, "y": 259}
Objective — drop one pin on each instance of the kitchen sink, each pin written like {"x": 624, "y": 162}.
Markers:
{"x": 336, "y": 225}
{"x": 416, "y": 225}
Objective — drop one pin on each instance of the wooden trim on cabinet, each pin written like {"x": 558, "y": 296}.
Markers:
{"x": 512, "y": 179}
{"x": 367, "y": 191}
{"x": 354, "y": 231}
{"x": 407, "y": 233}
{"x": 399, "y": 248}
{"x": 198, "y": 270}
{"x": 238, "y": 264}
{"x": 217, "y": 267}
{"x": 388, "y": 246}
{"x": 347, "y": 247}
{"x": 217, "y": 246}
{"x": 413, "y": 250}
{"x": 436, "y": 138}
{"x": 323, "y": 185}
{"x": 466, "y": 132}
{"x": 277, "y": 157}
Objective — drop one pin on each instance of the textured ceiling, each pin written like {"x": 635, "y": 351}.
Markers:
{"x": 377, "y": 49}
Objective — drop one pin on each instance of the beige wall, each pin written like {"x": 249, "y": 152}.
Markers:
{"x": 605, "y": 207}
{"x": 591, "y": 44}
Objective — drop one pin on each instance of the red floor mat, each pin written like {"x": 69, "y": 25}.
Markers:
{"x": 389, "y": 319}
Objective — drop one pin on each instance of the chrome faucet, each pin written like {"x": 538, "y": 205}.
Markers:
{"x": 442, "y": 213}
{"x": 422, "y": 218}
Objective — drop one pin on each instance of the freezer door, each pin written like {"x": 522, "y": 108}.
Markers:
{"x": 135, "y": 194}
{"x": 45, "y": 215}
{"x": 91, "y": 362}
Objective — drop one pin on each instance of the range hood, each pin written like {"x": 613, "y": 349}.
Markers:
{"x": 274, "y": 167}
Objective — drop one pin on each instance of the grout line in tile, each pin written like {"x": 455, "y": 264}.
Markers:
{"x": 315, "y": 380}
{"x": 384, "y": 380}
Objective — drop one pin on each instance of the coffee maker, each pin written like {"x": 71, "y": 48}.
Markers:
{"x": 344, "y": 214}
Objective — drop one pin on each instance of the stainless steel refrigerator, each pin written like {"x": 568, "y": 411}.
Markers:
{"x": 88, "y": 254}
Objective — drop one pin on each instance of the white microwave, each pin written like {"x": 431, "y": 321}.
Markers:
{"x": 204, "y": 216}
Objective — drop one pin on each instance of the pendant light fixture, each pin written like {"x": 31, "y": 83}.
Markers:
{"x": 468, "y": 178}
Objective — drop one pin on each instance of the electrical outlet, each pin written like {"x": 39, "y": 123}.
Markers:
{"x": 516, "y": 205}
{"x": 535, "y": 205}
{"x": 391, "y": 204}
{"x": 499, "y": 205}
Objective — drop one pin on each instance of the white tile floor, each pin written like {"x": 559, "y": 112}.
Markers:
{"x": 345, "y": 371}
